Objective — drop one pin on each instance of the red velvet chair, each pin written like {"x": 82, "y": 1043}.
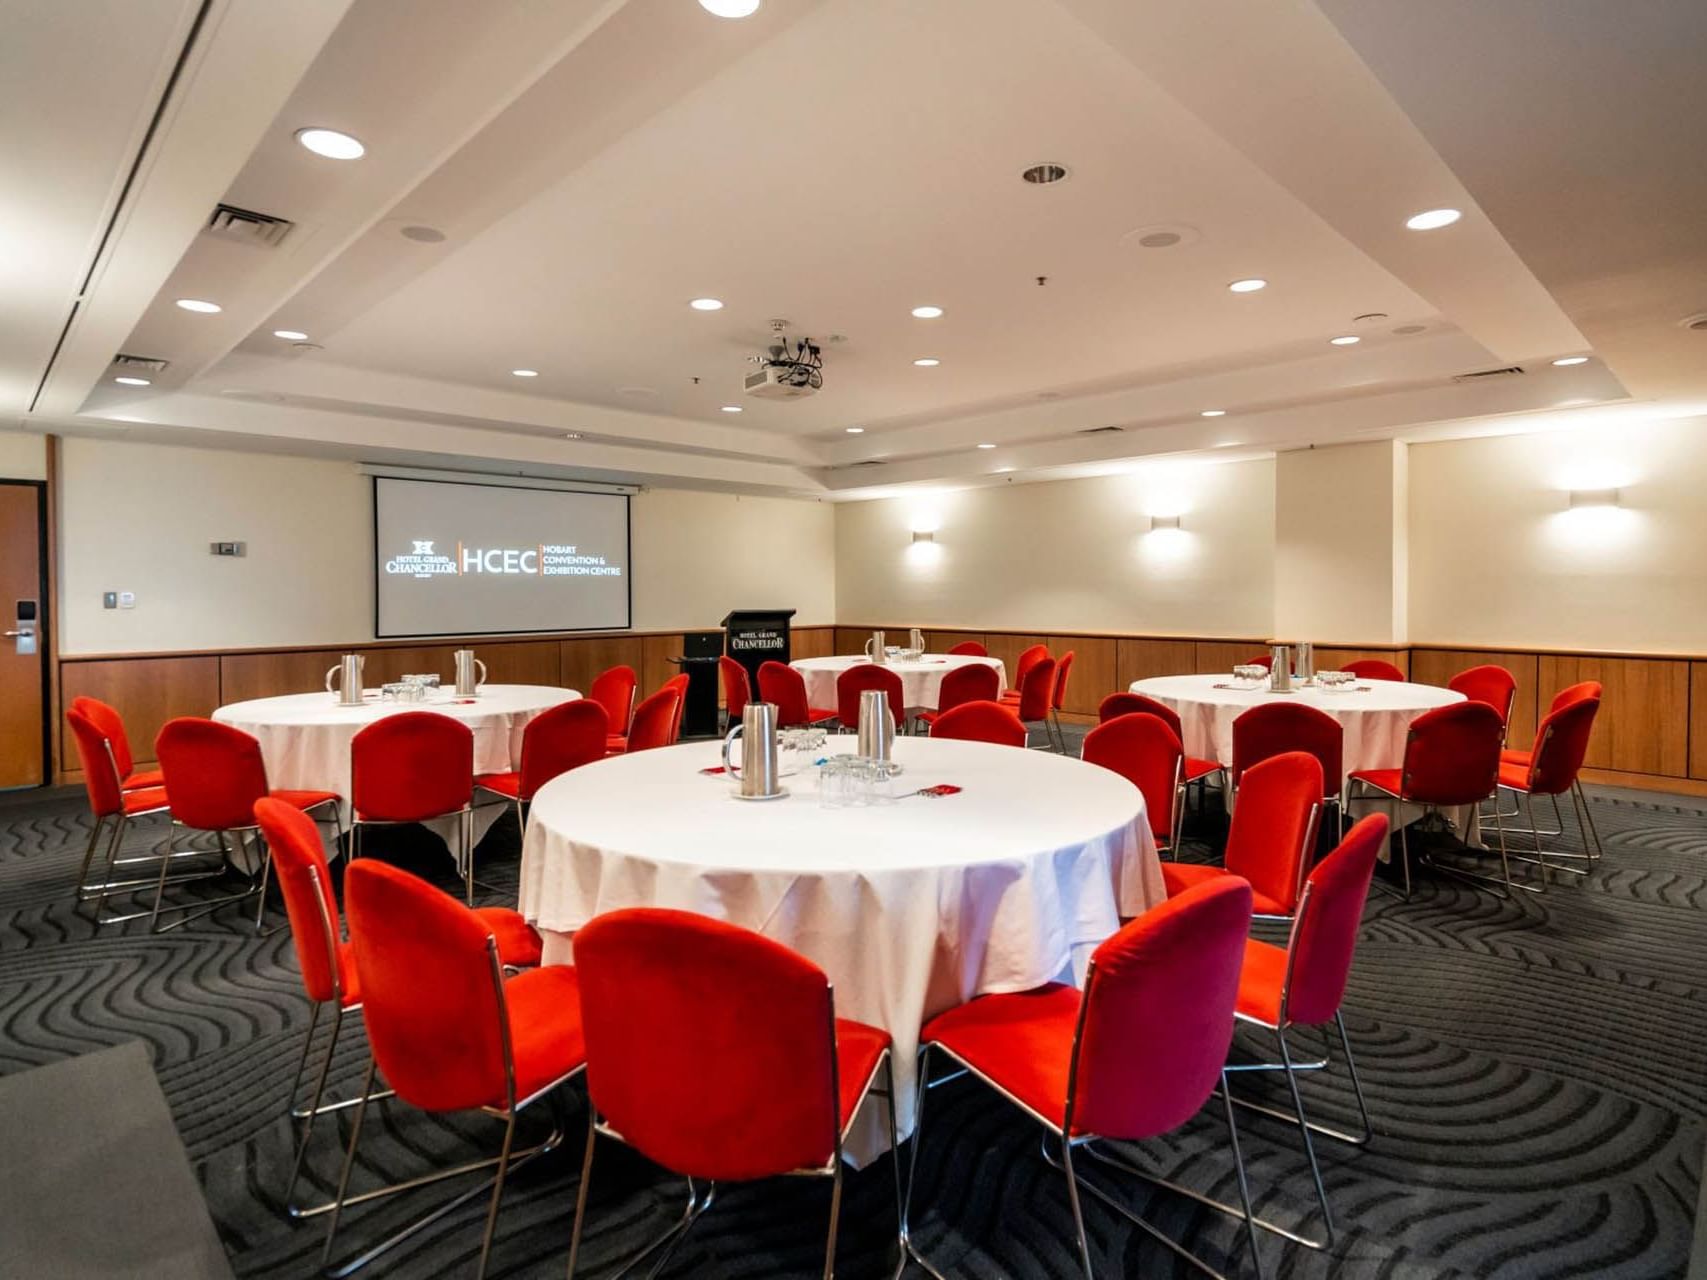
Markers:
{"x": 447, "y": 1030}
{"x": 1554, "y": 768}
{"x": 103, "y": 777}
{"x": 975, "y": 682}
{"x": 1063, "y": 670}
{"x": 1489, "y": 683}
{"x": 654, "y": 721}
{"x": 324, "y": 958}
{"x": 1271, "y": 837}
{"x": 971, "y": 649}
{"x": 1135, "y": 1057}
{"x": 981, "y": 722}
{"x": 555, "y": 741}
{"x": 1142, "y": 749}
{"x": 1124, "y": 704}
{"x": 1373, "y": 669}
{"x": 680, "y": 685}
{"x": 214, "y": 776}
{"x": 1303, "y": 984}
{"x": 111, "y": 724}
{"x": 856, "y": 680}
{"x": 1035, "y": 696}
{"x": 773, "y": 1079}
{"x": 1521, "y": 756}
{"x": 613, "y": 689}
{"x": 1027, "y": 659}
{"x": 1263, "y": 660}
{"x": 737, "y": 689}
{"x": 782, "y": 685}
{"x": 415, "y": 766}
{"x": 1452, "y": 759}
{"x": 1274, "y": 728}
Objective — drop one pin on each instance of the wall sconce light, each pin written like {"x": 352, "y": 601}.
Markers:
{"x": 1163, "y": 522}
{"x": 1594, "y": 498}
{"x": 924, "y": 535}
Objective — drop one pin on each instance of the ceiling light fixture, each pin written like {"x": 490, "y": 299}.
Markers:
{"x": 331, "y": 144}
{"x": 571, "y": 435}
{"x": 290, "y": 335}
{"x": 927, "y": 362}
{"x": 1163, "y": 522}
{"x": 926, "y": 313}
{"x": 524, "y": 373}
{"x": 731, "y": 408}
{"x": 132, "y": 382}
{"x": 986, "y": 446}
{"x": 1247, "y": 286}
{"x": 1213, "y": 413}
{"x": 706, "y": 304}
{"x": 854, "y": 431}
{"x": 1346, "y": 340}
{"x": 1432, "y": 219}
{"x": 730, "y": 8}
{"x": 1042, "y": 175}
{"x": 1562, "y": 361}
{"x": 199, "y": 307}
{"x": 1594, "y": 498}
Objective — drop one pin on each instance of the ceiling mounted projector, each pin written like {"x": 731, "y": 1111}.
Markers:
{"x": 787, "y": 371}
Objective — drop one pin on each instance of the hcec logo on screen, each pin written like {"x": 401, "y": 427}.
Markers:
{"x": 544, "y": 560}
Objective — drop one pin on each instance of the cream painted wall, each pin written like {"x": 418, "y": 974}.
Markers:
{"x": 1497, "y": 558}
{"x": 1073, "y": 555}
{"x": 1339, "y": 543}
{"x": 23, "y": 455}
{"x": 136, "y": 517}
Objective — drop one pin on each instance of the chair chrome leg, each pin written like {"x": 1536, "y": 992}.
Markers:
{"x": 266, "y": 875}
{"x": 497, "y": 1195}
{"x": 1588, "y": 817}
{"x": 895, "y": 1162}
{"x": 1304, "y": 1133}
{"x": 349, "y": 1163}
{"x": 160, "y": 889}
{"x": 291, "y": 1207}
{"x": 1078, "y": 1213}
{"x": 302, "y": 1060}
{"x": 907, "y": 1246}
{"x": 89, "y": 855}
{"x": 466, "y": 825}
{"x": 1405, "y": 858}
{"x": 1244, "y": 1182}
{"x": 581, "y": 1191}
{"x": 835, "y": 1222}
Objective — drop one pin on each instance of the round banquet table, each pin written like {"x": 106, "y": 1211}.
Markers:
{"x": 305, "y": 737}
{"x": 921, "y": 680}
{"x": 911, "y": 907}
{"x": 1375, "y": 714}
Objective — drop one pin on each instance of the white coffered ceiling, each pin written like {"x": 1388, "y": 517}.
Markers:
{"x": 593, "y": 165}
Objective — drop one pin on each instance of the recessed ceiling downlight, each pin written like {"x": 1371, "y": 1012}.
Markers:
{"x": 290, "y": 335}
{"x": 986, "y": 446}
{"x": 126, "y": 381}
{"x": 199, "y": 307}
{"x": 1247, "y": 286}
{"x": 706, "y": 304}
{"x": 331, "y": 144}
{"x": 927, "y": 362}
{"x": 571, "y": 435}
{"x": 926, "y": 313}
{"x": 1432, "y": 219}
{"x": 1045, "y": 174}
{"x": 730, "y": 8}
{"x": 854, "y": 431}
{"x": 731, "y": 408}
{"x": 1346, "y": 340}
{"x": 524, "y": 373}
{"x": 1213, "y": 413}
{"x": 1562, "y": 361}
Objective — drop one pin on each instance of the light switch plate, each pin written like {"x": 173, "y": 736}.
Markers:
{"x": 109, "y": 599}
{"x": 127, "y": 599}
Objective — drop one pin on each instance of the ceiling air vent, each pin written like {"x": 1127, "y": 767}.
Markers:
{"x": 139, "y": 364}
{"x": 248, "y": 227}
{"x": 1101, "y": 431}
{"x": 1506, "y": 372}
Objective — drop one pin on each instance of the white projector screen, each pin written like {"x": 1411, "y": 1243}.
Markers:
{"x": 485, "y": 559}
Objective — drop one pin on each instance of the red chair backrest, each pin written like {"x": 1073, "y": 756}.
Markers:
{"x": 1142, "y": 749}
{"x": 1063, "y": 669}
{"x": 666, "y": 992}
{"x": 654, "y": 721}
{"x": 856, "y": 680}
{"x": 1157, "y": 1018}
{"x": 1027, "y": 659}
{"x": 1452, "y": 754}
{"x": 1036, "y": 689}
{"x": 980, "y": 722}
{"x": 680, "y": 685}
{"x": 101, "y": 779}
{"x": 1263, "y": 660}
{"x": 1125, "y": 704}
{"x": 974, "y": 682}
{"x": 1561, "y": 742}
{"x": 1324, "y": 934}
{"x": 613, "y": 689}
{"x": 214, "y": 773}
{"x": 1373, "y": 669}
{"x": 411, "y": 766}
{"x": 1574, "y": 693}
{"x": 559, "y": 739}
{"x": 299, "y": 862}
{"x": 737, "y": 689}
{"x": 428, "y": 997}
{"x": 111, "y": 724}
{"x": 1490, "y": 683}
{"x": 786, "y": 687}
{"x": 1272, "y": 728}
{"x": 1273, "y": 830}
{"x": 971, "y": 649}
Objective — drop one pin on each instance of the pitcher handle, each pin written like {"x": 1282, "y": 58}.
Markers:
{"x": 728, "y": 748}
{"x": 482, "y": 679}
{"x": 868, "y": 647}
{"x": 330, "y": 672}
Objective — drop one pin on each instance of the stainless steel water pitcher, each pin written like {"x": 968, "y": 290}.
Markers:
{"x": 874, "y": 648}
{"x": 876, "y": 726}
{"x": 1280, "y": 672}
{"x": 1304, "y": 665}
{"x": 916, "y": 640}
{"x": 348, "y": 690}
{"x": 467, "y": 683}
{"x": 759, "y": 771}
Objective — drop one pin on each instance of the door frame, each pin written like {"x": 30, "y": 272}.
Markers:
{"x": 44, "y": 623}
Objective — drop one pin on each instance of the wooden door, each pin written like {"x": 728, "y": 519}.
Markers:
{"x": 23, "y": 608}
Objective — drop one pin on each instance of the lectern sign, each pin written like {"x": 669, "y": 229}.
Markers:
{"x": 755, "y": 636}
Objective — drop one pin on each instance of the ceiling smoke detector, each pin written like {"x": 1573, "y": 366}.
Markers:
{"x": 422, "y": 235}
{"x": 1043, "y": 175}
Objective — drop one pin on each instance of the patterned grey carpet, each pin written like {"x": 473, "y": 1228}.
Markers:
{"x": 1537, "y": 1072}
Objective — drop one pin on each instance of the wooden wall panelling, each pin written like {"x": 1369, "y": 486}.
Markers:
{"x": 147, "y": 692}
{"x": 812, "y": 642}
{"x": 1219, "y": 657}
{"x": 581, "y": 659}
{"x": 851, "y": 639}
{"x": 1141, "y": 659}
{"x": 243, "y": 676}
{"x": 522, "y": 662}
{"x": 943, "y": 641}
{"x": 1332, "y": 659}
{"x": 1438, "y": 666}
{"x": 1643, "y": 725}
{"x": 1008, "y": 645}
{"x": 1092, "y": 678}
{"x": 1698, "y": 719}
{"x": 387, "y": 665}
{"x": 655, "y": 664}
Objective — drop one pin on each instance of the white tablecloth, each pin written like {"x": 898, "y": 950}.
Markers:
{"x": 911, "y": 907}
{"x": 921, "y": 681}
{"x": 305, "y": 737}
{"x": 1375, "y": 714}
